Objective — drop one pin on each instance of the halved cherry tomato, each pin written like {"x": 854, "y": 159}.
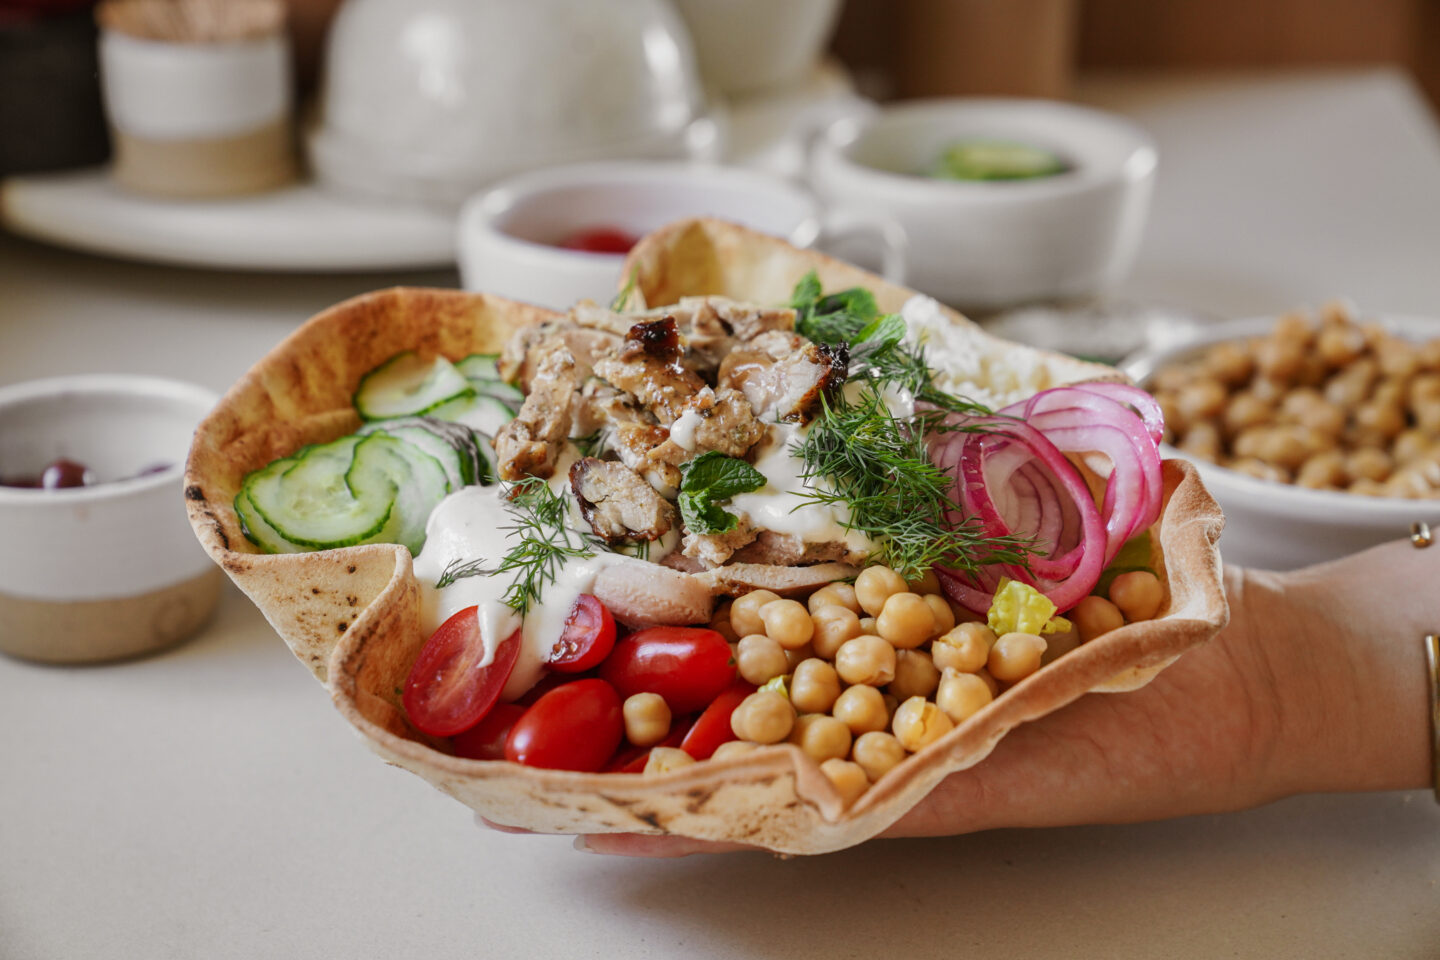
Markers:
{"x": 688, "y": 666}
{"x": 600, "y": 240}
{"x": 447, "y": 691}
{"x": 588, "y": 637}
{"x": 486, "y": 740}
{"x": 573, "y": 727}
{"x": 713, "y": 727}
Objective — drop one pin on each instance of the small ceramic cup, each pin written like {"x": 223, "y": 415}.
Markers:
{"x": 110, "y": 570}
{"x": 509, "y": 234}
{"x": 985, "y": 245}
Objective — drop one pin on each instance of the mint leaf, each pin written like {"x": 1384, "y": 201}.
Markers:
{"x": 856, "y": 302}
{"x": 807, "y": 293}
{"x": 709, "y": 480}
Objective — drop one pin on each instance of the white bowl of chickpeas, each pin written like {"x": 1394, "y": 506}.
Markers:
{"x": 1318, "y": 432}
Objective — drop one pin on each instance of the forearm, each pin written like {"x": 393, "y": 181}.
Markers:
{"x": 1342, "y": 646}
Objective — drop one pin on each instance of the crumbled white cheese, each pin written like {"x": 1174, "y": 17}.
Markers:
{"x": 965, "y": 361}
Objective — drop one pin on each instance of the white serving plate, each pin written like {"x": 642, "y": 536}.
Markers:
{"x": 300, "y": 229}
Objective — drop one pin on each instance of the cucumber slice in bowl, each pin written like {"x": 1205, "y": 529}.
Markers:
{"x": 482, "y": 413}
{"x": 406, "y": 385}
{"x": 451, "y": 444}
{"x": 481, "y": 366}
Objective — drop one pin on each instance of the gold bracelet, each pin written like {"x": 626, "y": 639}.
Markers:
{"x": 1432, "y": 662}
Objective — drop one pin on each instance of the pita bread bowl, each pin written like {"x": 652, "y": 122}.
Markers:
{"x": 353, "y": 615}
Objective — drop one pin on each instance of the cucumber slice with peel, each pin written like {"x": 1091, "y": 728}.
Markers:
{"x": 311, "y": 502}
{"x": 407, "y": 385}
{"x": 482, "y": 413}
{"x": 481, "y": 366}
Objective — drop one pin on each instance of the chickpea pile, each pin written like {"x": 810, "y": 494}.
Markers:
{"x": 1330, "y": 404}
{"x": 879, "y": 670}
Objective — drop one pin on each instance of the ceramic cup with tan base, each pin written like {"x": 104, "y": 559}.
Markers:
{"x": 108, "y": 570}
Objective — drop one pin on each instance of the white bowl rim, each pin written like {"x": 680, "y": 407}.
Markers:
{"x": 177, "y": 392}
{"x": 838, "y": 140}
{"x": 481, "y": 209}
{"x": 1324, "y": 506}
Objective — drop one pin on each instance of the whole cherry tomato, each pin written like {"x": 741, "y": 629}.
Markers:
{"x": 600, "y": 240}
{"x": 573, "y": 727}
{"x": 588, "y": 637}
{"x": 713, "y": 727}
{"x": 486, "y": 740}
{"x": 447, "y": 691}
{"x": 688, "y": 666}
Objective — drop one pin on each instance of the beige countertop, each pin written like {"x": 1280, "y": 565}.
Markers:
{"x": 209, "y": 802}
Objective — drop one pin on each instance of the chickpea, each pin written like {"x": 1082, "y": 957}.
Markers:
{"x": 965, "y": 648}
{"x": 665, "y": 759}
{"x": 1015, "y": 656}
{"x": 1203, "y": 441}
{"x": 1337, "y": 311}
{"x": 875, "y": 585}
{"x": 1406, "y": 483}
{"x": 1283, "y": 446}
{"x": 919, "y": 723}
{"x": 892, "y": 703}
{"x": 962, "y": 695}
{"x": 1324, "y": 471}
{"x": 1138, "y": 594}
{"x": 1390, "y": 392}
{"x": 1369, "y": 463}
{"x": 1094, "y": 617}
{"x": 1367, "y": 488}
{"x": 848, "y": 779}
{"x": 787, "y": 622}
{"x": 1201, "y": 400}
{"x": 1246, "y": 410}
{"x": 862, "y": 709}
{"x": 868, "y": 660}
{"x": 1175, "y": 422}
{"x": 1339, "y": 343}
{"x": 760, "y": 659}
{"x": 1279, "y": 358}
{"x": 1397, "y": 358}
{"x": 905, "y": 620}
{"x": 990, "y": 682}
{"x": 928, "y": 583}
{"x": 798, "y": 655}
{"x": 1378, "y": 421}
{"x": 745, "y": 612}
{"x": 1268, "y": 390}
{"x": 1348, "y": 388}
{"x": 940, "y": 610}
{"x": 823, "y": 738}
{"x": 720, "y": 623}
{"x": 1294, "y": 404}
{"x": 915, "y": 675}
{"x": 1323, "y": 418}
{"x": 815, "y": 686}
{"x": 647, "y": 719}
{"x": 1430, "y": 355}
{"x": 867, "y": 627}
{"x": 833, "y": 626}
{"x": 1293, "y": 327}
{"x": 1229, "y": 363}
{"x": 1411, "y": 445}
{"x": 763, "y": 717}
{"x": 1424, "y": 390}
{"x": 834, "y": 594}
{"x": 878, "y": 753}
{"x": 733, "y": 748}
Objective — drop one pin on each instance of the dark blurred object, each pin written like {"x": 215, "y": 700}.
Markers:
{"x": 50, "y": 115}
{"x": 933, "y": 48}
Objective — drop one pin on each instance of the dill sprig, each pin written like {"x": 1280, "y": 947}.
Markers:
{"x": 860, "y": 455}
{"x": 543, "y": 543}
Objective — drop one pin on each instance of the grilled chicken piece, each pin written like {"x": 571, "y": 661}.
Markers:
{"x": 738, "y": 579}
{"x": 783, "y": 375}
{"x": 617, "y": 503}
{"x": 588, "y": 313}
{"x": 788, "y": 550}
{"x": 714, "y": 549}
{"x": 718, "y": 420}
{"x": 646, "y": 594}
{"x": 648, "y": 367}
{"x": 530, "y": 444}
{"x": 713, "y": 325}
{"x": 521, "y": 357}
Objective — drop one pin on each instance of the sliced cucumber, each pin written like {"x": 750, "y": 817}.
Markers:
{"x": 512, "y": 397}
{"x": 458, "y": 465}
{"x": 405, "y": 385}
{"x": 481, "y": 366}
{"x": 257, "y": 530}
{"x": 996, "y": 160}
{"x": 418, "y": 478}
{"x": 311, "y": 501}
{"x": 483, "y": 413}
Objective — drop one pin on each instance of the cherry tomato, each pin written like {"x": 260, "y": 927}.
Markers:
{"x": 447, "y": 691}
{"x": 573, "y": 727}
{"x": 713, "y": 727}
{"x": 688, "y": 666}
{"x": 546, "y": 683}
{"x": 588, "y": 637}
{"x": 486, "y": 740}
{"x": 600, "y": 240}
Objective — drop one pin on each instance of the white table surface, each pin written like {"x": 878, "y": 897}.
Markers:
{"x": 209, "y": 802}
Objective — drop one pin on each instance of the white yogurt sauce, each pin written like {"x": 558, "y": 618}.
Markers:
{"x": 682, "y": 431}
{"x": 778, "y": 505}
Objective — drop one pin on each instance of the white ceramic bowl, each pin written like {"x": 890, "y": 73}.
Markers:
{"x": 432, "y": 99}
{"x": 753, "y": 46}
{"x": 508, "y": 234}
{"x": 109, "y": 570}
{"x": 991, "y": 244}
{"x": 1279, "y": 526}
